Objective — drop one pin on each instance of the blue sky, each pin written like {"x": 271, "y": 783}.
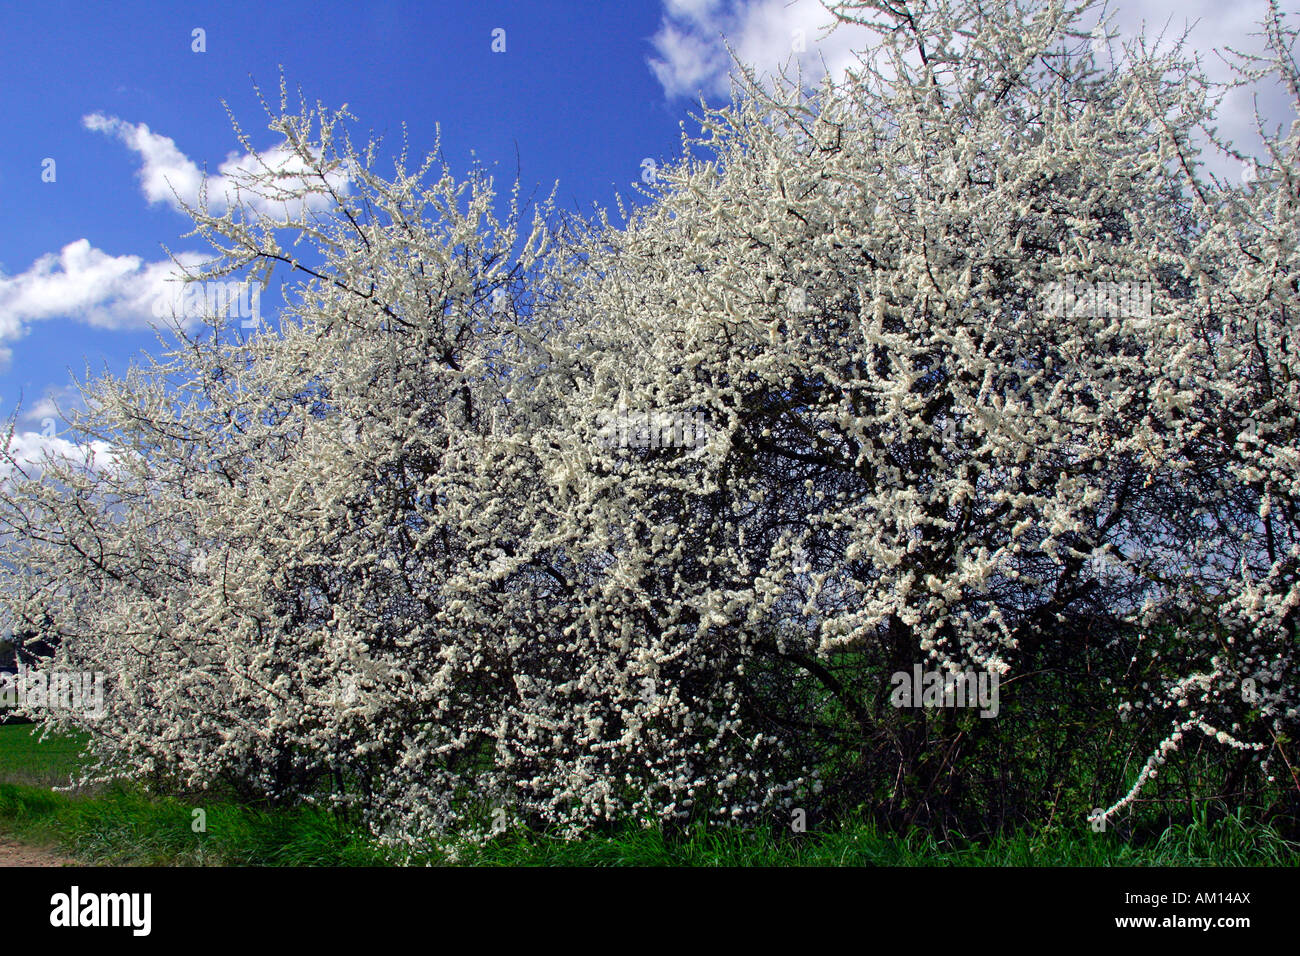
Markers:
{"x": 585, "y": 90}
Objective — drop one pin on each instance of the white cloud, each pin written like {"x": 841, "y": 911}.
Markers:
{"x": 764, "y": 34}
{"x": 32, "y": 450}
{"x": 55, "y": 404}
{"x": 689, "y": 63}
{"x": 699, "y": 10}
{"x": 88, "y": 285}
{"x": 168, "y": 175}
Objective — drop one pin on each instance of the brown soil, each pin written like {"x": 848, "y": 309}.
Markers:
{"x": 21, "y": 854}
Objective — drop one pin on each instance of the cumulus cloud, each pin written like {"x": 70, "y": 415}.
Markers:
{"x": 768, "y": 35}
{"x": 54, "y": 404}
{"x": 32, "y": 452}
{"x": 168, "y": 175}
{"x": 88, "y": 285}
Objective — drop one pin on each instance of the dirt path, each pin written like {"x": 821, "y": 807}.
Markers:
{"x": 20, "y": 854}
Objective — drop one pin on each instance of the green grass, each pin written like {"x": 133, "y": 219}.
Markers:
{"x": 25, "y": 758}
{"x": 1226, "y": 843}
{"x": 123, "y": 825}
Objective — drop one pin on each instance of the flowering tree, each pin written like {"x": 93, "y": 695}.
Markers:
{"x": 960, "y": 360}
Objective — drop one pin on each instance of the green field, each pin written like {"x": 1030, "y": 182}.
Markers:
{"x": 123, "y": 825}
